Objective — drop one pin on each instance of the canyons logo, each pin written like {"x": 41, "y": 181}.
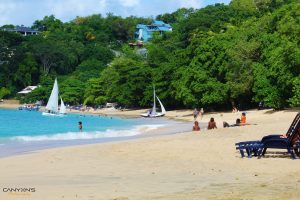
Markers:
{"x": 19, "y": 191}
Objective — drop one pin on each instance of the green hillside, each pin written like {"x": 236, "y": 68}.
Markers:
{"x": 241, "y": 53}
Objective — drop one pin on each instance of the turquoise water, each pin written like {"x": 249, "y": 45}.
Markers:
{"x": 28, "y": 131}
{"x": 25, "y": 126}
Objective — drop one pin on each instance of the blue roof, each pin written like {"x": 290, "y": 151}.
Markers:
{"x": 147, "y": 30}
{"x": 161, "y": 24}
{"x": 158, "y": 23}
{"x": 155, "y": 26}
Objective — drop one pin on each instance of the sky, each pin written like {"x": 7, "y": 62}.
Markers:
{"x": 25, "y": 12}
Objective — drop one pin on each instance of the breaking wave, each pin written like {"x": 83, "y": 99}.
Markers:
{"x": 137, "y": 130}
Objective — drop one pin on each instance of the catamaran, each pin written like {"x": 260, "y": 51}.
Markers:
{"x": 52, "y": 105}
{"x": 152, "y": 112}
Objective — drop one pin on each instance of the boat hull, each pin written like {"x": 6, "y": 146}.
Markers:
{"x": 152, "y": 116}
{"x": 53, "y": 114}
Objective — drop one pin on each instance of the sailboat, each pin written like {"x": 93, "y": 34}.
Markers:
{"x": 52, "y": 105}
{"x": 62, "y": 109}
{"x": 152, "y": 112}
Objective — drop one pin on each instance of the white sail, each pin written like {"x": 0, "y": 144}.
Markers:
{"x": 52, "y": 104}
{"x": 152, "y": 112}
{"x": 163, "y": 110}
{"x": 62, "y": 109}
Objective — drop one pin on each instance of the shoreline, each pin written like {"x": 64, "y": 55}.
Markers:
{"x": 15, "y": 148}
{"x": 11, "y": 104}
{"x": 27, "y": 147}
{"x": 189, "y": 165}
{"x": 183, "y": 115}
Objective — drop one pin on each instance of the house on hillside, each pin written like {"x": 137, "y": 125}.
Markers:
{"x": 22, "y": 30}
{"x": 27, "y": 90}
{"x": 144, "y": 32}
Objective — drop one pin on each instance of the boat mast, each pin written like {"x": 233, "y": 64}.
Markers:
{"x": 154, "y": 102}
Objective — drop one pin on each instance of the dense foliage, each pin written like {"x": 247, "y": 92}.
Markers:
{"x": 242, "y": 53}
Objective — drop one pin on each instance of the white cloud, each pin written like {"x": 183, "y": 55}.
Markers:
{"x": 129, "y": 3}
{"x": 75, "y": 8}
{"x": 190, "y": 3}
{"x": 27, "y": 11}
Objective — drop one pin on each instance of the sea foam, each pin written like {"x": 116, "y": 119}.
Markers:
{"x": 136, "y": 130}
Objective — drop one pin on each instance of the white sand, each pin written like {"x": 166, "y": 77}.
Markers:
{"x": 191, "y": 166}
{"x": 11, "y": 104}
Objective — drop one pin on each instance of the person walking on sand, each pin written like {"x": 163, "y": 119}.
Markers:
{"x": 211, "y": 124}
{"x": 196, "y": 126}
{"x": 80, "y": 126}
{"x": 234, "y": 109}
{"x": 195, "y": 114}
{"x": 201, "y": 113}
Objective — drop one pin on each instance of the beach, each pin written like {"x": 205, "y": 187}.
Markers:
{"x": 10, "y": 104}
{"x": 191, "y": 165}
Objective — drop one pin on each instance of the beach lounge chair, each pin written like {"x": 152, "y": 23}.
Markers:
{"x": 297, "y": 148}
{"x": 254, "y": 148}
{"x": 292, "y": 127}
{"x": 259, "y": 148}
{"x": 277, "y": 142}
{"x": 290, "y": 142}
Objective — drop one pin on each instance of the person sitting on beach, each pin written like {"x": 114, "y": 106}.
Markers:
{"x": 211, "y": 124}
{"x": 80, "y": 126}
{"x": 237, "y": 123}
{"x": 243, "y": 118}
{"x": 196, "y": 126}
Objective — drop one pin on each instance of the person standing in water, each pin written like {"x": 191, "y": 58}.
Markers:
{"x": 80, "y": 126}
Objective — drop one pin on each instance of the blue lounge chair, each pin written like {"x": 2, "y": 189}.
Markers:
{"x": 259, "y": 148}
{"x": 292, "y": 127}
{"x": 252, "y": 148}
{"x": 276, "y": 142}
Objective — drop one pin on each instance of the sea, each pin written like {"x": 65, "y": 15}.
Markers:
{"x": 28, "y": 131}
